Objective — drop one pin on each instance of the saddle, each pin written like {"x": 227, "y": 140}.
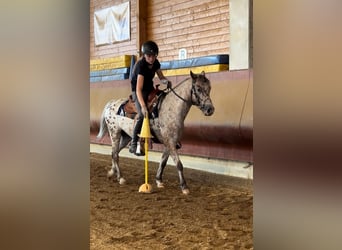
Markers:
{"x": 129, "y": 110}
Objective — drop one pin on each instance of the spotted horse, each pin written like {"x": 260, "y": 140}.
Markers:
{"x": 167, "y": 127}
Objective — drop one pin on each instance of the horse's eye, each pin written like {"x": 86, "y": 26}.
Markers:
{"x": 199, "y": 90}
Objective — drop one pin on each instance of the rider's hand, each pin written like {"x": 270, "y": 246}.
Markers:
{"x": 144, "y": 110}
{"x": 167, "y": 83}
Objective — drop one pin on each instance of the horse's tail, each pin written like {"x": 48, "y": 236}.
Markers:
{"x": 103, "y": 125}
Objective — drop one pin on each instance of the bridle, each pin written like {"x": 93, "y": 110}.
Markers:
{"x": 193, "y": 92}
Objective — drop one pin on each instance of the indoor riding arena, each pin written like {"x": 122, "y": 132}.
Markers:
{"x": 213, "y": 36}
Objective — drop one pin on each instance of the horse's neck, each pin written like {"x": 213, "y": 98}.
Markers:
{"x": 179, "y": 106}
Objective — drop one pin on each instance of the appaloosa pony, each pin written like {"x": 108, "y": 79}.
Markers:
{"x": 167, "y": 127}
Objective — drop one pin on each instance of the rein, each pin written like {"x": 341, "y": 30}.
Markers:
{"x": 173, "y": 91}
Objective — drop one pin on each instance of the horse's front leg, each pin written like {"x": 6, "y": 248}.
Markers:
{"x": 179, "y": 165}
{"x": 162, "y": 164}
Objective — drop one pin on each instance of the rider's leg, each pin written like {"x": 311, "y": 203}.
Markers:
{"x": 138, "y": 125}
{"x": 136, "y": 130}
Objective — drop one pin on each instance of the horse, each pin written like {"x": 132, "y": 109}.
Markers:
{"x": 167, "y": 127}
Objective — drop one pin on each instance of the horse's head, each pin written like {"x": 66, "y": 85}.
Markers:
{"x": 200, "y": 93}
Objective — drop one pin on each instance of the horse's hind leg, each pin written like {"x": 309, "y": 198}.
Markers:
{"x": 162, "y": 164}
{"x": 116, "y": 139}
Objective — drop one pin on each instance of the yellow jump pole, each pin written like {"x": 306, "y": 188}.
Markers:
{"x": 146, "y": 161}
{"x": 146, "y": 133}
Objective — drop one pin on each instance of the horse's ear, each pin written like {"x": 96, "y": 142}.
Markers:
{"x": 193, "y": 76}
{"x": 202, "y": 73}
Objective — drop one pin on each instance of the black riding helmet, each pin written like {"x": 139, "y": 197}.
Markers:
{"x": 150, "y": 48}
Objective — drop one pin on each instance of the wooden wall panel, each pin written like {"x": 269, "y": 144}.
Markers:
{"x": 201, "y": 27}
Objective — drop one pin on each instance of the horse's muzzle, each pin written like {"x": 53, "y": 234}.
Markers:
{"x": 208, "y": 110}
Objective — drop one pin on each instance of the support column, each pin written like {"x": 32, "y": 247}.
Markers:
{"x": 141, "y": 24}
{"x": 240, "y": 46}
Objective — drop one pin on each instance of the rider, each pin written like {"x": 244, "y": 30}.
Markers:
{"x": 142, "y": 85}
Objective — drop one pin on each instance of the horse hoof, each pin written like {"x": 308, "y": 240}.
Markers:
{"x": 186, "y": 191}
{"x": 110, "y": 174}
{"x": 122, "y": 181}
{"x": 160, "y": 185}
